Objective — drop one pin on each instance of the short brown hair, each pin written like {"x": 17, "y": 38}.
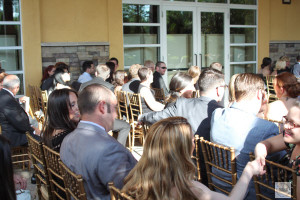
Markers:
{"x": 194, "y": 71}
{"x": 133, "y": 70}
{"x": 144, "y": 73}
{"x": 289, "y": 82}
{"x": 246, "y": 85}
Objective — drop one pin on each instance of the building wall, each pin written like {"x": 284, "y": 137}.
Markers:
{"x": 47, "y": 21}
{"x": 276, "y": 22}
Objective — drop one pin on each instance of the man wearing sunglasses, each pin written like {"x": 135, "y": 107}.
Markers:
{"x": 158, "y": 81}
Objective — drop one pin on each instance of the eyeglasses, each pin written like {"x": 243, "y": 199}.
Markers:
{"x": 163, "y": 67}
{"x": 291, "y": 125}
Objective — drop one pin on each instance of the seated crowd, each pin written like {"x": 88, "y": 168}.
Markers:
{"x": 80, "y": 115}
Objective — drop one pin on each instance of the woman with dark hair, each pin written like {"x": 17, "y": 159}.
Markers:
{"x": 181, "y": 85}
{"x": 62, "y": 117}
{"x": 265, "y": 69}
{"x": 166, "y": 170}
{"x": 112, "y": 67}
{"x": 61, "y": 76}
{"x": 7, "y": 186}
{"x": 287, "y": 89}
{"x": 47, "y": 80}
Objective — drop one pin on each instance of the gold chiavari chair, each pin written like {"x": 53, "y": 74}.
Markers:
{"x": 270, "y": 89}
{"x": 55, "y": 178}
{"x": 122, "y": 105}
{"x": 73, "y": 183}
{"x": 40, "y": 167}
{"x": 196, "y": 94}
{"x": 221, "y": 158}
{"x": 20, "y": 157}
{"x": 197, "y": 157}
{"x": 116, "y": 194}
{"x": 135, "y": 106}
{"x": 159, "y": 95}
{"x": 275, "y": 173}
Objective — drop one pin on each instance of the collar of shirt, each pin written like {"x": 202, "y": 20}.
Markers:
{"x": 92, "y": 123}
{"x": 8, "y": 91}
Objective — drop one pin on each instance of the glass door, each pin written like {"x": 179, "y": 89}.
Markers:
{"x": 179, "y": 39}
{"x": 212, "y": 38}
{"x": 194, "y": 36}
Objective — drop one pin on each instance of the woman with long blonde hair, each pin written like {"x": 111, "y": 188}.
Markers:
{"x": 166, "y": 170}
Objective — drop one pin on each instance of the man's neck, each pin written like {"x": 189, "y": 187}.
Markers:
{"x": 9, "y": 91}
{"x": 249, "y": 106}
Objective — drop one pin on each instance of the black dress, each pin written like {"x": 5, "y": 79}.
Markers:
{"x": 57, "y": 140}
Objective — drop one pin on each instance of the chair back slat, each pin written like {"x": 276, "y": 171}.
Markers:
{"x": 275, "y": 174}
{"x": 270, "y": 88}
{"x": 73, "y": 183}
{"x": 159, "y": 95}
{"x": 116, "y": 194}
{"x": 122, "y": 105}
{"x": 55, "y": 178}
{"x": 196, "y": 94}
{"x": 40, "y": 167}
{"x": 135, "y": 107}
{"x": 20, "y": 157}
{"x": 197, "y": 157}
{"x": 219, "y": 157}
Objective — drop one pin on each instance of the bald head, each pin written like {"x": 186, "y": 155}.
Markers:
{"x": 91, "y": 95}
{"x": 12, "y": 83}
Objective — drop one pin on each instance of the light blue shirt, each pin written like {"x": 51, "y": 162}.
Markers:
{"x": 84, "y": 77}
{"x": 235, "y": 127}
{"x": 296, "y": 70}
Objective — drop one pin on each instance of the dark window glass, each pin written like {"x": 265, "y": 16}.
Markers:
{"x": 247, "y": 2}
{"x": 9, "y": 10}
{"x": 10, "y": 35}
{"x": 242, "y": 17}
{"x": 140, "y": 13}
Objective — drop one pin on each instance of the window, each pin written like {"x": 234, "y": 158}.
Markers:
{"x": 243, "y": 42}
{"x": 10, "y": 39}
{"x": 141, "y": 29}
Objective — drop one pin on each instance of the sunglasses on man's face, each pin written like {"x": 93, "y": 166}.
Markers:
{"x": 163, "y": 67}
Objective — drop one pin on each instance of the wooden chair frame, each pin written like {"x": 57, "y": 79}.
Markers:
{"x": 122, "y": 105}
{"x": 270, "y": 88}
{"x": 272, "y": 175}
{"x": 197, "y": 157}
{"x": 196, "y": 94}
{"x": 73, "y": 183}
{"x": 40, "y": 167}
{"x": 159, "y": 95}
{"x": 55, "y": 178}
{"x": 116, "y": 194}
{"x": 135, "y": 106}
{"x": 20, "y": 157}
{"x": 217, "y": 156}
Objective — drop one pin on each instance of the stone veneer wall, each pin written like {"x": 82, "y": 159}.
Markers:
{"x": 288, "y": 48}
{"x": 74, "y": 54}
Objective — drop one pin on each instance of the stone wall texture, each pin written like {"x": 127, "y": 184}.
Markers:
{"x": 74, "y": 56}
{"x": 292, "y": 50}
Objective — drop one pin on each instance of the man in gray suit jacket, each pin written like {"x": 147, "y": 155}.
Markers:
{"x": 90, "y": 151}
{"x": 197, "y": 111}
{"x": 120, "y": 126}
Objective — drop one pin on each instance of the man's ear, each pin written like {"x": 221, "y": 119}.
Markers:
{"x": 101, "y": 107}
{"x": 259, "y": 94}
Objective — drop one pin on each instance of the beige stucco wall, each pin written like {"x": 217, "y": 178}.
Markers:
{"x": 46, "y": 21}
{"x": 276, "y": 22}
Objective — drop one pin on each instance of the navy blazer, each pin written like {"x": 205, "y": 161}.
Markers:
{"x": 13, "y": 119}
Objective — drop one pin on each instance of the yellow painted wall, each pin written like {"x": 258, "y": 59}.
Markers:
{"x": 68, "y": 21}
{"x": 284, "y": 21}
{"x": 83, "y": 21}
{"x": 276, "y": 22}
{"x": 263, "y": 30}
{"x": 31, "y": 41}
